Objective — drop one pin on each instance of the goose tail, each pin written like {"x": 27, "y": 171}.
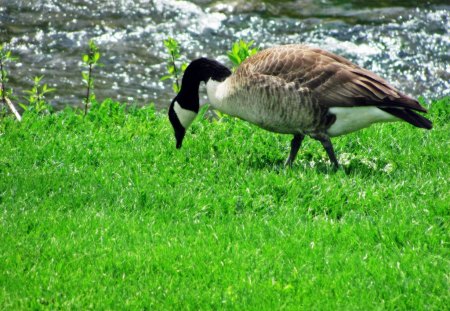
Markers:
{"x": 409, "y": 116}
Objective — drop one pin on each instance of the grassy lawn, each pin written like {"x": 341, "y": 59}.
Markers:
{"x": 103, "y": 212}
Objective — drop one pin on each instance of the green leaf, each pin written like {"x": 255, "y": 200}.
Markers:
{"x": 234, "y": 58}
{"x": 171, "y": 44}
{"x": 242, "y": 55}
{"x": 92, "y": 46}
{"x": 24, "y": 107}
{"x": 49, "y": 90}
{"x": 38, "y": 79}
{"x": 96, "y": 57}
{"x": 163, "y": 78}
{"x": 235, "y": 48}
{"x": 240, "y": 51}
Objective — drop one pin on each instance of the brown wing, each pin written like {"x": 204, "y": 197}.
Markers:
{"x": 333, "y": 80}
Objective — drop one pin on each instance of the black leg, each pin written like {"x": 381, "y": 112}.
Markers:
{"x": 326, "y": 143}
{"x": 295, "y": 145}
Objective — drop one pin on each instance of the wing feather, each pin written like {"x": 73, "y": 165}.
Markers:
{"x": 333, "y": 80}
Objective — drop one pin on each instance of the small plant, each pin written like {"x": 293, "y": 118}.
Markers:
{"x": 174, "y": 72}
{"x": 91, "y": 60}
{"x": 5, "y": 57}
{"x": 240, "y": 51}
{"x": 5, "y": 93}
{"x": 36, "y": 98}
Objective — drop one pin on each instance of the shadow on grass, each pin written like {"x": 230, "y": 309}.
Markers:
{"x": 350, "y": 164}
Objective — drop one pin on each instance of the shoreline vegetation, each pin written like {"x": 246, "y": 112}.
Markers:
{"x": 98, "y": 210}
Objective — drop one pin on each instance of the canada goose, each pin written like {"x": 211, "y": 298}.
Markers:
{"x": 294, "y": 89}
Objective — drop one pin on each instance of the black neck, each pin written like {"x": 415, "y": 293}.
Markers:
{"x": 199, "y": 70}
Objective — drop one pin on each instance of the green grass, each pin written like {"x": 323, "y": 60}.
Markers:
{"x": 103, "y": 212}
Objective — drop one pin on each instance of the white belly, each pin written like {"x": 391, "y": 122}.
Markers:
{"x": 350, "y": 119}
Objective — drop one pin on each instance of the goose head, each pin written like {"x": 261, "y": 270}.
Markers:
{"x": 185, "y": 106}
{"x": 181, "y": 118}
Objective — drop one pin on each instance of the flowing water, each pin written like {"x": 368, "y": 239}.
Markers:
{"x": 405, "y": 42}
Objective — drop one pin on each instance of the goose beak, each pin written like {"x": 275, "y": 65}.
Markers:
{"x": 179, "y": 135}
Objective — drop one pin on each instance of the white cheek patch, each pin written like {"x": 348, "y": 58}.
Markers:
{"x": 185, "y": 116}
